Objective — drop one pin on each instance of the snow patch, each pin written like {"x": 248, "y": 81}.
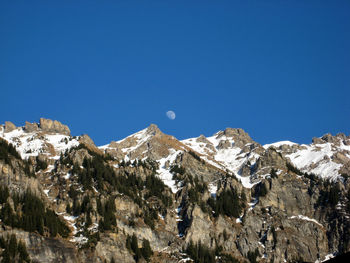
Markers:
{"x": 31, "y": 144}
{"x": 278, "y": 144}
{"x": 164, "y": 174}
{"x": 212, "y": 187}
{"x": 319, "y": 156}
{"x": 306, "y": 218}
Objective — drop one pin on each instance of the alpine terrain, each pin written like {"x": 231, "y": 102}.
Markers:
{"x": 152, "y": 198}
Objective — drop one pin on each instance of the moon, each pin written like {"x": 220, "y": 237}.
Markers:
{"x": 171, "y": 115}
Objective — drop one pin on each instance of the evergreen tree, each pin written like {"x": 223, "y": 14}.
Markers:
{"x": 135, "y": 248}
{"x": 128, "y": 242}
{"x": 262, "y": 189}
{"x": 273, "y": 173}
{"x": 68, "y": 208}
{"x": 200, "y": 253}
{"x": 253, "y": 255}
{"x": 146, "y": 250}
{"x": 13, "y": 250}
{"x": 4, "y": 194}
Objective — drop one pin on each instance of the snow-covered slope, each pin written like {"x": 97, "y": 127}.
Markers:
{"x": 227, "y": 151}
{"x": 34, "y": 143}
{"x": 229, "y": 157}
{"x": 149, "y": 143}
{"x": 130, "y": 143}
{"x": 231, "y": 150}
{"x": 325, "y": 158}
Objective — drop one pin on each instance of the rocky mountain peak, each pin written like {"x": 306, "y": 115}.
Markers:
{"x": 44, "y": 125}
{"x": 48, "y": 125}
{"x": 232, "y": 132}
{"x": 31, "y": 127}
{"x": 153, "y": 130}
{"x": 47, "y": 137}
{"x": 238, "y": 135}
{"x": 202, "y": 139}
{"x": 224, "y": 190}
{"x": 9, "y": 126}
{"x": 329, "y": 138}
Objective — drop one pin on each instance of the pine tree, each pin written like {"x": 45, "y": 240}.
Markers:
{"x": 146, "y": 249}
{"x": 68, "y": 208}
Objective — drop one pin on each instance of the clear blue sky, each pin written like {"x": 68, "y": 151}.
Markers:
{"x": 278, "y": 69}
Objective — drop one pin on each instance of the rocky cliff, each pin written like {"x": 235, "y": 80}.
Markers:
{"x": 150, "y": 197}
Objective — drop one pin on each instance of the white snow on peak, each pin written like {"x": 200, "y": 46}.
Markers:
{"x": 230, "y": 158}
{"x": 319, "y": 155}
{"x": 31, "y": 143}
{"x": 140, "y": 137}
{"x": 278, "y": 144}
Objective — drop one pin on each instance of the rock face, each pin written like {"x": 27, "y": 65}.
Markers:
{"x": 47, "y": 125}
{"x": 9, "y": 126}
{"x": 31, "y": 127}
{"x": 226, "y": 191}
{"x": 44, "y": 249}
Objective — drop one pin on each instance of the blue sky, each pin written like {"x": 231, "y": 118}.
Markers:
{"x": 278, "y": 69}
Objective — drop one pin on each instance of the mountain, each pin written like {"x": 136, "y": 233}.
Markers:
{"x": 150, "y": 197}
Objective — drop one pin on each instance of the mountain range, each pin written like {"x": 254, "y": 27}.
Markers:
{"x": 150, "y": 197}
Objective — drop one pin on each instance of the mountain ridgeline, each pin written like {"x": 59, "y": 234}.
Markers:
{"x": 152, "y": 198}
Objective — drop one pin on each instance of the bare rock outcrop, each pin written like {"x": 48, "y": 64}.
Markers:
{"x": 48, "y": 125}
{"x": 31, "y": 127}
{"x": 45, "y": 249}
{"x": 240, "y": 137}
{"x": 9, "y": 126}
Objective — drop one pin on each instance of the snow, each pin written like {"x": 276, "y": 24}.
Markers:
{"x": 313, "y": 158}
{"x": 328, "y": 257}
{"x": 164, "y": 174}
{"x": 70, "y": 218}
{"x": 306, "y": 219}
{"x": 231, "y": 159}
{"x": 140, "y": 137}
{"x": 67, "y": 176}
{"x": 185, "y": 260}
{"x": 79, "y": 239}
{"x": 32, "y": 144}
{"x": 246, "y": 181}
{"x": 278, "y": 144}
{"x": 49, "y": 168}
{"x": 319, "y": 154}
{"x": 253, "y": 204}
{"x": 212, "y": 189}
{"x": 161, "y": 217}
